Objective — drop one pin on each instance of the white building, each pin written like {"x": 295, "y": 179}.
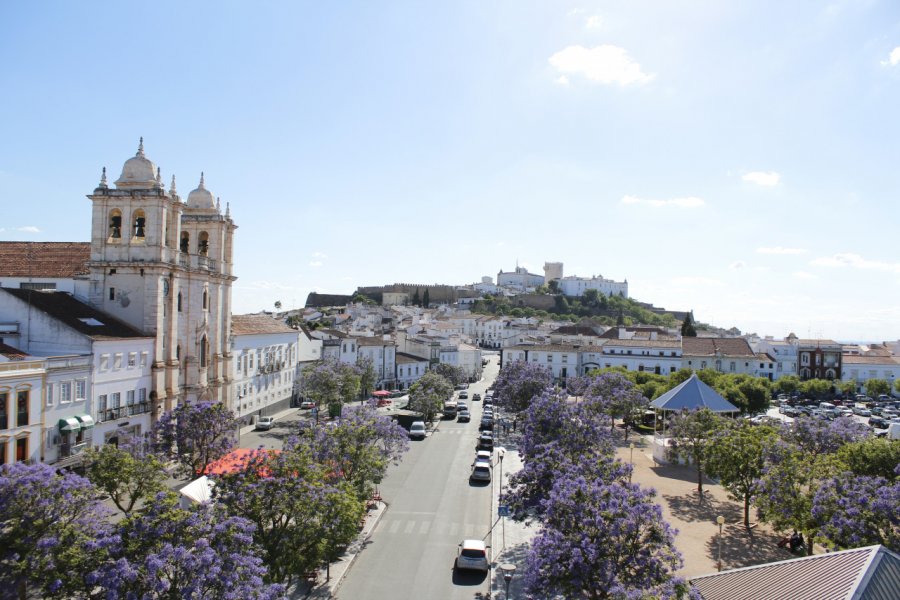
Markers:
{"x": 726, "y": 355}
{"x": 520, "y": 280}
{"x": 21, "y": 381}
{"x": 862, "y": 368}
{"x": 783, "y": 352}
{"x": 68, "y": 416}
{"x": 464, "y": 356}
{"x": 265, "y": 365}
{"x": 577, "y": 286}
{"x": 409, "y": 369}
{"x": 165, "y": 267}
{"x": 109, "y": 393}
{"x": 659, "y": 356}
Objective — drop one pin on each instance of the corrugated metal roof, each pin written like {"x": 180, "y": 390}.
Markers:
{"x": 871, "y": 573}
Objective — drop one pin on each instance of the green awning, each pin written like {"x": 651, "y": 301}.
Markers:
{"x": 87, "y": 421}
{"x": 69, "y": 424}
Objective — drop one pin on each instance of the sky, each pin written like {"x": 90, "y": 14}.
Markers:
{"x": 738, "y": 159}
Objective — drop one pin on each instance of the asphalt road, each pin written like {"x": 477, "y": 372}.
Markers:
{"x": 432, "y": 507}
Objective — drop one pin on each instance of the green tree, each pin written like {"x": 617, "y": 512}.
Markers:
{"x": 278, "y": 305}
{"x": 561, "y": 304}
{"x": 737, "y": 458}
{"x": 687, "y": 326}
{"x": 553, "y": 284}
{"x": 124, "y": 477}
{"x": 331, "y": 383}
{"x": 873, "y": 457}
{"x": 876, "y": 387}
{"x": 848, "y": 388}
{"x": 416, "y": 301}
{"x": 591, "y": 298}
{"x": 787, "y": 384}
{"x": 426, "y": 299}
{"x": 452, "y": 373}
{"x": 367, "y": 376}
{"x": 427, "y": 395}
{"x": 815, "y": 388}
{"x": 693, "y": 434}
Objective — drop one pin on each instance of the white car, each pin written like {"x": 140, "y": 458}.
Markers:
{"x": 417, "y": 430}
{"x": 265, "y": 423}
{"x": 484, "y": 455}
{"x": 481, "y": 471}
{"x": 472, "y": 556}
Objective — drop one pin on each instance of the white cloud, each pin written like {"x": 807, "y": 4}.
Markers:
{"x": 893, "y": 58}
{"x": 855, "y": 261}
{"x": 686, "y": 202}
{"x": 562, "y": 80}
{"x": 315, "y": 263}
{"x": 737, "y": 265}
{"x": 593, "y": 22}
{"x": 804, "y": 275}
{"x": 603, "y": 64}
{"x": 780, "y": 250}
{"x": 29, "y": 229}
{"x": 764, "y": 178}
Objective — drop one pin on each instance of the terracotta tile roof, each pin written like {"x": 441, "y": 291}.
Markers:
{"x": 57, "y": 260}
{"x": 12, "y": 353}
{"x": 692, "y": 346}
{"x": 256, "y": 324}
{"x": 870, "y": 573}
{"x": 855, "y": 359}
{"x": 404, "y": 358}
{"x": 79, "y": 316}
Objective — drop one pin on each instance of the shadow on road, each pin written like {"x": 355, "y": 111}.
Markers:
{"x": 468, "y": 577}
{"x": 692, "y": 508}
{"x": 742, "y": 547}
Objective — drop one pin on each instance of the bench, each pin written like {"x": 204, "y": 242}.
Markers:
{"x": 310, "y": 576}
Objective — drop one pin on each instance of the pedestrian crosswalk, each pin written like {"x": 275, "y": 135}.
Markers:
{"x": 419, "y": 526}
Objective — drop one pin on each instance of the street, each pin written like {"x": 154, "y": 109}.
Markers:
{"x": 431, "y": 508}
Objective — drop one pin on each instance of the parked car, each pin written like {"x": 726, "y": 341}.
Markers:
{"x": 862, "y": 412}
{"x": 265, "y": 423}
{"x": 464, "y": 395}
{"x": 462, "y": 416}
{"x": 307, "y": 404}
{"x": 878, "y": 423}
{"x": 397, "y": 393}
{"x": 486, "y": 441}
{"x": 417, "y": 430}
{"x": 487, "y": 424}
{"x": 481, "y": 471}
{"x": 472, "y": 556}
{"x": 485, "y": 455}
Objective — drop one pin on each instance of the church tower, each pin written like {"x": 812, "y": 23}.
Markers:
{"x": 165, "y": 267}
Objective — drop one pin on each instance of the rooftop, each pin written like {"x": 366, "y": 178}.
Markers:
{"x": 44, "y": 260}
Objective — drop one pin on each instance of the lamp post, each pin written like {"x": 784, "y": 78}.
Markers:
{"x": 508, "y": 570}
{"x": 501, "y": 452}
{"x": 721, "y": 521}
{"x": 631, "y": 460}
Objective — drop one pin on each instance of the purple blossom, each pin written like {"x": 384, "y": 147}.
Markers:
{"x": 858, "y": 511}
{"x": 818, "y": 436}
{"x": 195, "y": 435}
{"x": 519, "y": 382}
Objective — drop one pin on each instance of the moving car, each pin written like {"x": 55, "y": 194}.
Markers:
{"x": 472, "y": 556}
{"x": 476, "y": 397}
{"x": 265, "y": 423}
{"x": 462, "y": 416}
{"x": 417, "y": 430}
{"x": 481, "y": 471}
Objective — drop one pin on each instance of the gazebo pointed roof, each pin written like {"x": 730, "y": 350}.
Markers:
{"x": 691, "y": 395}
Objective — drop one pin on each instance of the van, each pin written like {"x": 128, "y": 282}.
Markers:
{"x": 450, "y": 407}
{"x": 826, "y": 406}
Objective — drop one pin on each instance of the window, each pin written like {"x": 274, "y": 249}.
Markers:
{"x": 203, "y": 351}
{"x": 80, "y": 389}
{"x": 115, "y": 224}
{"x": 185, "y": 241}
{"x": 21, "y": 449}
{"x": 731, "y": 366}
{"x": 22, "y": 408}
{"x": 129, "y": 398}
{"x": 132, "y": 359}
{"x": 205, "y": 299}
{"x": 703, "y": 364}
{"x": 117, "y": 361}
{"x": 138, "y": 222}
{"x": 101, "y": 403}
{"x": 115, "y": 399}
{"x": 203, "y": 244}
{"x": 179, "y": 301}
{"x": 142, "y": 395}
{"x": 112, "y": 293}
{"x": 143, "y": 359}
{"x": 3, "y": 445}
{"x": 65, "y": 392}
{"x": 50, "y": 395}
{"x": 4, "y": 410}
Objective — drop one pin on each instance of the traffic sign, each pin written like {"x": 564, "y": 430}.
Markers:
{"x": 503, "y": 510}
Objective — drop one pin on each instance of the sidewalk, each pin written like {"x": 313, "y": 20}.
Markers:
{"x": 279, "y": 415}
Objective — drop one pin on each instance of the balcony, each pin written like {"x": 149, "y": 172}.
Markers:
{"x": 66, "y": 450}
{"x": 111, "y": 414}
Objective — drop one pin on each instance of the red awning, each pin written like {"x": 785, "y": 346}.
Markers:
{"x": 381, "y": 393}
{"x": 235, "y": 461}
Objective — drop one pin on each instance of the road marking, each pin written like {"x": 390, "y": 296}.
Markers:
{"x": 410, "y": 525}
{"x": 423, "y": 529}
{"x": 394, "y": 527}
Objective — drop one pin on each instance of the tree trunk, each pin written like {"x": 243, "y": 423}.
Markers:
{"x": 809, "y": 543}
{"x": 699, "y": 478}
{"x": 747, "y": 511}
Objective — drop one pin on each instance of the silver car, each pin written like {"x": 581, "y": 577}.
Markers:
{"x": 481, "y": 471}
{"x": 472, "y": 556}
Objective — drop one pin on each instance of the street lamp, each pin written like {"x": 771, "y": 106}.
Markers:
{"x": 501, "y": 452}
{"x": 508, "y": 570}
{"x": 721, "y": 521}
{"x": 631, "y": 460}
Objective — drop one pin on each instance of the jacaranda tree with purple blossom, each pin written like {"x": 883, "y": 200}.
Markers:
{"x": 520, "y": 381}
{"x": 360, "y": 446}
{"x": 194, "y": 435}
{"x": 50, "y": 524}
{"x": 164, "y": 551}
{"x": 616, "y": 395}
{"x": 854, "y": 511}
{"x": 693, "y": 434}
{"x": 819, "y": 436}
{"x": 603, "y": 540}
{"x": 302, "y": 509}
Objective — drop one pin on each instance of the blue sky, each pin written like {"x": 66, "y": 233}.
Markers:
{"x": 735, "y": 158}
